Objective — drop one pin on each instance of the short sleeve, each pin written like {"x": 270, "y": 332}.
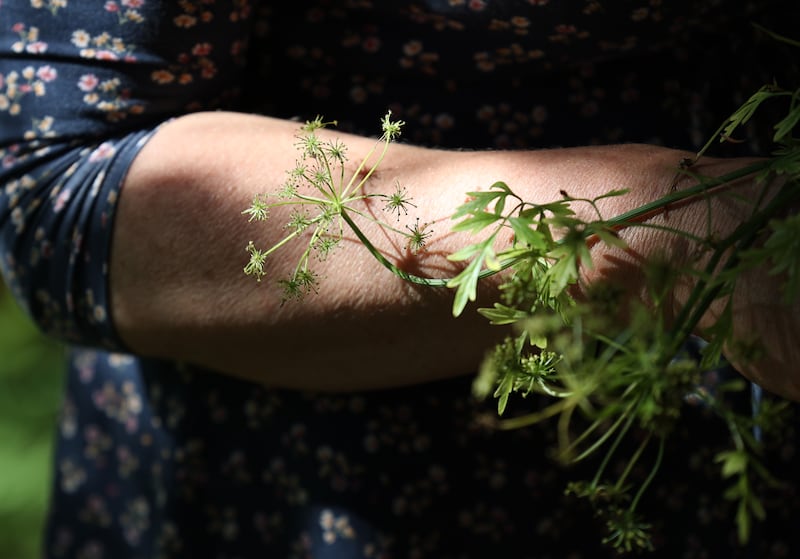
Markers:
{"x": 83, "y": 85}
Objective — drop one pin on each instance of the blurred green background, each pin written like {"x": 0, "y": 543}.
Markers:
{"x": 31, "y": 375}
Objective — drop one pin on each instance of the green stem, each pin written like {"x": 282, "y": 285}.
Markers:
{"x": 362, "y": 182}
{"x": 329, "y": 191}
{"x": 303, "y": 262}
{"x": 382, "y": 224}
{"x": 402, "y": 274}
{"x": 617, "y": 441}
{"x": 685, "y": 234}
{"x": 632, "y": 462}
{"x": 658, "y": 206}
{"x": 646, "y": 483}
{"x": 306, "y": 201}
{"x": 536, "y": 417}
{"x": 600, "y": 441}
{"x": 282, "y": 242}
{"x": 601, "y": 360}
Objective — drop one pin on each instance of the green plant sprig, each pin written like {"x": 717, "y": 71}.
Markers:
{"x": 632, "y": 377}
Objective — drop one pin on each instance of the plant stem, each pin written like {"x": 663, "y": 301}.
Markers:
{"x": 632, "y": 462}
{"x": 536, "y": 417}
{"x": 646, "y": 211}
{"x": 600, "y": 440}
{"x": 402, "y": 274}
{"x": 646, "y": 483}
{"x": 621, "y": 435}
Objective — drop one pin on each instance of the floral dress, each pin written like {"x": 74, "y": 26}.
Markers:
{"x": 156, "y": 459}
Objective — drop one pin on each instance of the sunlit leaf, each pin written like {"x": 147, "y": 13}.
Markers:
{"x": 502, "y": 314}
{"x": 476, "y": 223}
{"x": 525, "y": 233}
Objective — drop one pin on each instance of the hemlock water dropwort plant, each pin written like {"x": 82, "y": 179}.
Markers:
{"x": 626, "y": 380}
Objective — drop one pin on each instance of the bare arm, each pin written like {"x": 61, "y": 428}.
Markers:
{"x": 178, "y": 249}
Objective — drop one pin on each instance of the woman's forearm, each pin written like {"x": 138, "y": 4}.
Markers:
{"x": 178, "y": 290}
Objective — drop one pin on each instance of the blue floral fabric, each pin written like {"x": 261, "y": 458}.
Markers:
{"x": 157, "y": 460}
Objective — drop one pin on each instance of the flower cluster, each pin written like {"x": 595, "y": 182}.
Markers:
{"x": 324, "y": 202}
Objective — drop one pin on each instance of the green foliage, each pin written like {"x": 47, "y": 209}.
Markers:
{"x": 630, "y": 377}
{"x": 31, "y": 375}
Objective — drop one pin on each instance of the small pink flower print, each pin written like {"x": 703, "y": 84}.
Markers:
{"x": 111, "y": 7}
{"x": 133, "y": 4}
{"x": 9, "y": 161}
{"x": 477, "y": 5}
{"x": 88, "y": 82}
{"x": 36, "y": 47}
{"x": 46, "y": 73}
{"x": 519, "y": 21}
{"x": 185, "y": 21}
{"x": 61, "y": 200}
{"x": 412, "y": 48}
{"x": 208, "y": 71}
{"x": 106, "y": 55}
{"x": 18, "y": 27}
{"x": 201, "y": 49}
{"x": 103, "y": 151}
{"x": 162, "y": 76}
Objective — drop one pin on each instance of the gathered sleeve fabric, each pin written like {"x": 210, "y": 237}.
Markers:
{"x": 83, "y": 85}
